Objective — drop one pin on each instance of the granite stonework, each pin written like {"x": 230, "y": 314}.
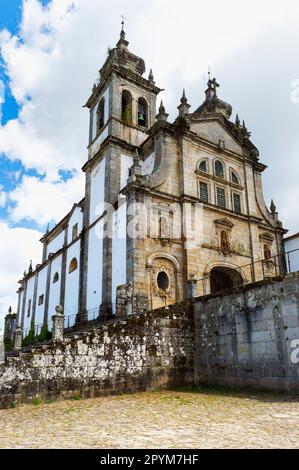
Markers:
{"x": 153, "y": 350}
{"x": 247, "y": 338}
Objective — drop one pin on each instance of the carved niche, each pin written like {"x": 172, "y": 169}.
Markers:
{"x": 223, "y": 228}
{"x": 165, "y": 266}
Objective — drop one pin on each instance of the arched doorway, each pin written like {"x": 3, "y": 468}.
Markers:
{"x": 223, "y": 278}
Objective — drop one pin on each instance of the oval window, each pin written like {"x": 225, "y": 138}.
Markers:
{"x": 162, "y": 280}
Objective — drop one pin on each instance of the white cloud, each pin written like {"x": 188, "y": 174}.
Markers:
{"x": 17, "y": 247}
{"x": 43, "y": 201}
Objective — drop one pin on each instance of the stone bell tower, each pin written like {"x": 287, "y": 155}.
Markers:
{"x": 122, "y": 110}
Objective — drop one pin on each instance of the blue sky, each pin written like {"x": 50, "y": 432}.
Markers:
{"x": 12, "y": 172}
{"x": 10, "y": 17}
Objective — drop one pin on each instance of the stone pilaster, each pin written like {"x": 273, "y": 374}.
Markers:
{"x": 19, "y": 313}
{"x": 35, "y": 295}
{"x": 24, "y": 303}
{"x": 47, "y": 295}
{"x": 63, "y": 270}
{"x": 82, "y": 315}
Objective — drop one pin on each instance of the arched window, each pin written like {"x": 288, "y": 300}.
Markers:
{"x": 142, "y": 112}
{"x": 55, "y": 278}
{"x": 267, "y": 252}
{"x": 101, "y": 115}
{"x": 126, "y": 106}
{"x": 224, "y": 241}
{"x": 73, "y": 265}
{"x": 163, "y": 280}
{"x": 203, "y": 166}
{"x": 234, "y": 178}
{"x": 219, "y": 169}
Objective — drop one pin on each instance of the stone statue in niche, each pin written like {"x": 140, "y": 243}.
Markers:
{"x": 225, "y": 245}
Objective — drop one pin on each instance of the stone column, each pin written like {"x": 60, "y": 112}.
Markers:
{"x": 192, "y": 288}
{"x": 58, "y": 324}
{"x": 63, "y": 269}
{"x": 18, "y": 337}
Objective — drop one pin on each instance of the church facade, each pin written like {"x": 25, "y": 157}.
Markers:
{"x": 171, "y": 209}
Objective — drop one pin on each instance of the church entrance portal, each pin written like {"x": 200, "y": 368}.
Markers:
{"x": 224, "y": 278}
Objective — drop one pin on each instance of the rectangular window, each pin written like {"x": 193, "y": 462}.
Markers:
{"x": 237, "y": 203}
{"x": 75, "y": 231}
{"x": 29, "y": 308}
{"x": 203, "y": 192}
{"x": 221, "y": 197}
{"x": 41, "y": 299}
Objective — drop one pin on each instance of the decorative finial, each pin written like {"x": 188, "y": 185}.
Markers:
{"x": 183, "y": 99}
{"x": 272, "y": 207}
{"x": 59, "y": 309}
{"x": 48, "y": 228}
{"x": 136, "y": 169}
{"x": 24, "y": 274}
{"x": 9, "y": 310}
{"x": 30, "y": 267}
{"x": 162, "y": 115}
{"x": 161, "y": 108}
{"x": 151, "y": 76}
{"x": 184, "y": 106}
{"x": 136, "y": 158}
{"x": 122, "y": 33}
{"x": 237, "y": 121}
{"x": 245, "y": 131}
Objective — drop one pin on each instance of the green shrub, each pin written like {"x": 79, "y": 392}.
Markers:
{"x": 8, "y": 345}
{"x": 30, "y": 338}
{"x": 45, "y": 334}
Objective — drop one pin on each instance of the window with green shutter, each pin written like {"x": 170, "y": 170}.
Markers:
{"x": 203, "y": 166}
{"x": 219, "y": 169}
{"x": 203, "y": 192}
{"x": 220, "y": 194}
{"x": 237, "y": 203}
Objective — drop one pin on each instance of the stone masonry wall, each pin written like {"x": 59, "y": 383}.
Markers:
{"x": 153, "y": 350}
{"x": 242, "y": 338}
{"x": 245, "y": 338}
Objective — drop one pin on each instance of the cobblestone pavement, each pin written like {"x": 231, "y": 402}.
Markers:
{"x": 181, "y": 419}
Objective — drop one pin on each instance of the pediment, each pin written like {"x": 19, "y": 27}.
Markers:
{"x": 224, "y": 222}
{"x": 267, "y": 237}
{"x": 216, "y": 133}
